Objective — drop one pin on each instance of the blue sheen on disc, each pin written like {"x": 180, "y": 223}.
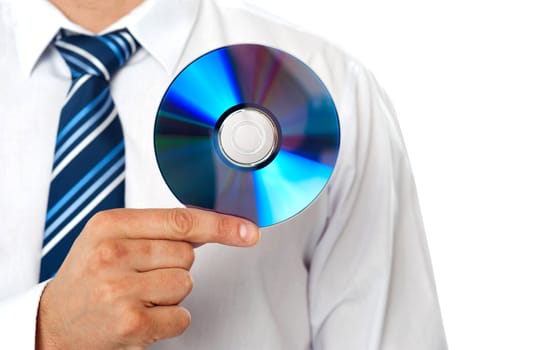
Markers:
{"x": 194, "y": 107}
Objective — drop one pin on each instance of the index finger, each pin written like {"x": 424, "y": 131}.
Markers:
{"x": 180, "y": 224}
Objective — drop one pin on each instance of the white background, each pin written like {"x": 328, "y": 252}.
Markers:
{"x": 468, "y": 80}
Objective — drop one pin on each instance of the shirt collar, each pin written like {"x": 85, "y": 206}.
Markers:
{"x": 162, "y": 27}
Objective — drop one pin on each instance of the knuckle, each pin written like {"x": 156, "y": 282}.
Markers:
{"x": 108, "y": 253}
{"x": 110, "y": 292}
{"x": 179, "y": 279}
{"x": 187, "y": 281}
{"x": 101, "y": 217}
{"x": 100, "y": 222}
{"x": 225, "y": 228}
{"x": 182, "y": 219}
{"x": 133, "y": 324}
{"x": 188, "y": 253}
{"x": 184, "y": 322}
{"x": 146, "y": 248}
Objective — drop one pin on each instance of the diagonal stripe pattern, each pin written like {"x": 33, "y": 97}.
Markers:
{"x": 88, "y": 172}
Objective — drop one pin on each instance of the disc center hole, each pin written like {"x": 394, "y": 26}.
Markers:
{"x": 247, "y": 137}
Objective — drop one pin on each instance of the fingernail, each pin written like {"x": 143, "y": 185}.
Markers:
{"x": 246, "y": 232}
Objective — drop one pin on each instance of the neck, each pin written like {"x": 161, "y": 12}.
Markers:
{"x": 95, "y": 15}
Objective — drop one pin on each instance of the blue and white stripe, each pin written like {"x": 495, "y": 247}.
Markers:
{"x": 88, "y": 172}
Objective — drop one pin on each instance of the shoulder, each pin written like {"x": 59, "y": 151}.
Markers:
{"x": 228, "y": 22}
{"x": 6, "y": 25}
{"x": 8, "y": 48}
{"x": 222, "y": 22}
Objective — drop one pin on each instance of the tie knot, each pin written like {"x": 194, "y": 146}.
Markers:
{"x": 100, "y": 56}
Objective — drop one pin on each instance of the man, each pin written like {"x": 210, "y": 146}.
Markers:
{"x": 350, "y": 272}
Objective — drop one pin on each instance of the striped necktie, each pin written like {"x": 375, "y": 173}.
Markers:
{"x": 89, "y": 161}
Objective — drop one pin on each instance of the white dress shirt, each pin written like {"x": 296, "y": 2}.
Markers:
{"x": 350, "y": 272}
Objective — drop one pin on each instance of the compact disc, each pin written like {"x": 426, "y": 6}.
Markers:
{"x": 247, "y": 130}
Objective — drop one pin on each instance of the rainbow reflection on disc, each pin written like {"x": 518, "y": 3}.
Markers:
{"x": 247, "y": 130}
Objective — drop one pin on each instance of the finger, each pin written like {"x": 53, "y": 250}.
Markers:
{"x": 151, "y": 254}
{"x": 168, "y": 321}
{"x": 144, "y": 326}
{"x": 164, "y": 286}
{"x": 182, "y": 224}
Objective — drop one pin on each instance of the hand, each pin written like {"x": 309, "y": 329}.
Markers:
{"x": 122, "y": 281}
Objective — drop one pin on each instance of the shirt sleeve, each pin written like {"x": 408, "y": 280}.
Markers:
{"x": 18, "y": 319}
{"x": 371, "y": 282}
